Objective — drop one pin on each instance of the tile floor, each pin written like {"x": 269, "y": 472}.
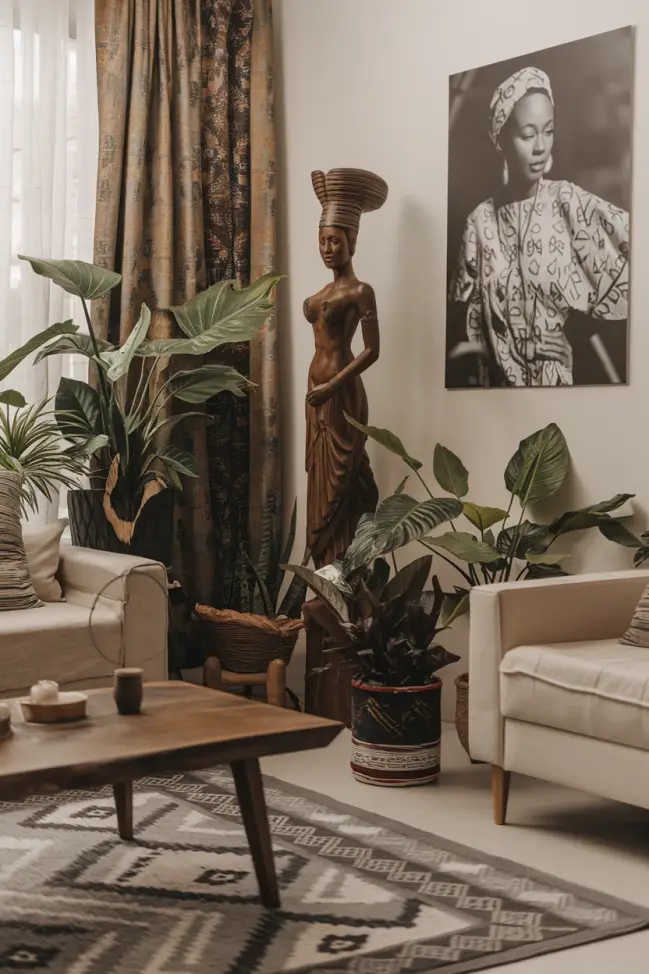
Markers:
{"x": 585, "y": 840}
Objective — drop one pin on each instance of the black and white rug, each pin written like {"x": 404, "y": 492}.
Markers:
{"x": 360, "y": 895}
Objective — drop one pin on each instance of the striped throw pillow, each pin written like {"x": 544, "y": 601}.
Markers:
{"x": 638, "y": 632}
{"x": 16, "y": 589}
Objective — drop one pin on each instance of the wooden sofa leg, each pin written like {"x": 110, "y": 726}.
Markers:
{"x": 500, "y": 780}
{"x": 276, "y": 683}
{"x": 212, "y": 673}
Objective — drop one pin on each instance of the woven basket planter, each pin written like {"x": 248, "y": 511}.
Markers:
{"x": 462, "y": 712}
{"x": 396, "y": 733}
{"x": 244, "y": 643}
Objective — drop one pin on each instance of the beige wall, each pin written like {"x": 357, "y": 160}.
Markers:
{"x": 365, "y": 83}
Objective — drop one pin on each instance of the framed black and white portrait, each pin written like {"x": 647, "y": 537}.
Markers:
{"x": 540, "y": 154}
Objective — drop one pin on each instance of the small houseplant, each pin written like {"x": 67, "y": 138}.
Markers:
{"x": 387, "y": 628}
{"x": 30, "y": 440}
{"x": 124, "y": 424}
{"x": 266, "y": 621}
{"x": 503, "y": 543}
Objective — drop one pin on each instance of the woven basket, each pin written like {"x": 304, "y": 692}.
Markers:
{"x": 244, "y": 643}
{"x": 462, "y": 712}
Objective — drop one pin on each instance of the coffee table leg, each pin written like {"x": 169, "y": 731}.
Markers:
{"x": 123, "y": 791}
{"x": 250, "y": 792}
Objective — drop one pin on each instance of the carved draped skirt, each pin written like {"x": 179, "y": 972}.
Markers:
{"x": 340, "y": 486}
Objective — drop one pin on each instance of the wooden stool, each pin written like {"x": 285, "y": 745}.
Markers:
{"x": 216, "y": 678}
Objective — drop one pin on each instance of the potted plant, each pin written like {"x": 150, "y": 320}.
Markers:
{"x": 266, "y": 621}
{"x": 124, "y": 424}
{"x": 502, "y": 543}
{"x": 30, "y": 440}
{"x": 387, "y": 628}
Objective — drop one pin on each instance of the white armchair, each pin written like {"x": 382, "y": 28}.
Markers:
{"x": 553, "y": 694}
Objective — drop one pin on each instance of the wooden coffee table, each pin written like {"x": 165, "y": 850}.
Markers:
{"x": 182, "y": 727}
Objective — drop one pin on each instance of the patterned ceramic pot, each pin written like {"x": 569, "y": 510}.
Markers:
{"x": 396, "y": 734}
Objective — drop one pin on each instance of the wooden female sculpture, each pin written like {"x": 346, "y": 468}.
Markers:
{"x": 341, "y": 485}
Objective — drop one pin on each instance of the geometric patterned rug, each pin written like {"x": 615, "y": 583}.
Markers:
{"x": 360, "y": 894}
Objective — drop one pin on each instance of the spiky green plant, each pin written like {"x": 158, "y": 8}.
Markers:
{"x": 31, "y": 444}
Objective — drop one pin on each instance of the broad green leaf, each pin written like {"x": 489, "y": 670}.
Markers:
{"x": 95, "y": 444}
{"x": 9, "y": 363}
{"x": 224, "y": 313}
{"x": 323, "y": 588}
{"x": 402, "y": 486}
{"x": 539, "y": 467}
{"x": 201, "y": 384}
{"x": 10, "y": 397}
{"x": 79, "y": 344}
{"x": 453, "y": 607}
{"x": 465, "y": 547}
{"x": 76, "y": 276}
{"x": 126, "y": 353}
{"x": 77, "y": 409}
{"x": 179, "y": 460}
{"x": 450, "y": 473}
{"x": 390, "y": 441}
{"x": 410, "y": 581}
{"x": 172, "y": 421}
{"x": 401, "y": 519}
{"x": 334, "y": 574}
{"x": 545, "y": 558}
{"x": 641, "y": 556}
{"x": 523, "y": 537}
{"x": 545, "y": 571}
{"x": 483, "y": 518}
{"x": 587, "y": 517}
{"x": 361, "y": 552}
{"x": 614, "y": 530}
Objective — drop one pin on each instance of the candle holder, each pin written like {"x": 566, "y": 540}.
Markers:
{"x": 127, "y": 690}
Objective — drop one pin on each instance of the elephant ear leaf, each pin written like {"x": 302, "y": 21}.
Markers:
{"x": 388, "y": 440}
{"x": 361, "y": 552}
{"x": 401, "y": 519}
{"x": 126, "y": 353}
{"x": 450, "y": 473}
{"x": 323, "y": 588}
{"x": 223, "y": 313}
{"x": 539, "y": 467}
{"x": 77, "y": 409}
{"x": 9, "y": 363}
{"x": 483, "y": 518}
{"x": 77, "y": 277}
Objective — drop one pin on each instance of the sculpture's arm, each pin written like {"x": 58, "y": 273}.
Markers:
{"x": 371, "y": 339}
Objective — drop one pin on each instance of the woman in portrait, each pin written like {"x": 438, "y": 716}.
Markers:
{"x": 537, "y": 251}
{"x": 340, "y": 483}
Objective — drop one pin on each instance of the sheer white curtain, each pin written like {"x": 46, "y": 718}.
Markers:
{"x": 48, "y": 169}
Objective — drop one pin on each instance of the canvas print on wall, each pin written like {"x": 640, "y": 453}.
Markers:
{"x": 538, "y": 217}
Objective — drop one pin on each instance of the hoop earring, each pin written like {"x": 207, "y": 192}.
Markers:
{"x": 505, "y": 173}
{"x": 548, "y": 165}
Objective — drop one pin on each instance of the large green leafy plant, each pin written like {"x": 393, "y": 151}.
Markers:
{"x": 386, "y": 627}
{"x": 499, "y": 543}
{"x": 125, "y": 422}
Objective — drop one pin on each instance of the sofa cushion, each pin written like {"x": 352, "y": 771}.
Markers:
{"x": 638, "y": 632}
{"x": 597, "y": 689}
{"x": 16, "y": 589}
{"x": 42, "y": 547}
{"x": 55, "y": 643}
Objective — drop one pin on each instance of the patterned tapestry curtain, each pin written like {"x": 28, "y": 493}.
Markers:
{"x": 185, "y": 198}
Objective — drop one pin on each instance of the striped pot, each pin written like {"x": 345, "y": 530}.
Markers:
{"x": 396, "y": 734}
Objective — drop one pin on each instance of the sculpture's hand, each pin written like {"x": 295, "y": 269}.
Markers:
{"x": 320, "y": 394}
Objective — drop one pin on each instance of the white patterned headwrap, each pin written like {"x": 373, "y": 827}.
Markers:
{"x": 510, "y": 92}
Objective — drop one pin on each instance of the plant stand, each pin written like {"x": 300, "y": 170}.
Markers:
{"x": 216, "y": 678}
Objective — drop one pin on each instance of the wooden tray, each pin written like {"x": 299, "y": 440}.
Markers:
{"x": 70, "y": 706}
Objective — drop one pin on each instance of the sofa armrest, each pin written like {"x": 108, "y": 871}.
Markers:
{"x": 554, "y": 610}
{"x": 139, "y": 584}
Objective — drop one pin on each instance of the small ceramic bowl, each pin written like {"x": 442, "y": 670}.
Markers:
{"x": 70, "y": 706}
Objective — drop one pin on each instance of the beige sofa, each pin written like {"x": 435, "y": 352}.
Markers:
{"x": 553, "y": 694}
{"x": 59, "y": 641}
